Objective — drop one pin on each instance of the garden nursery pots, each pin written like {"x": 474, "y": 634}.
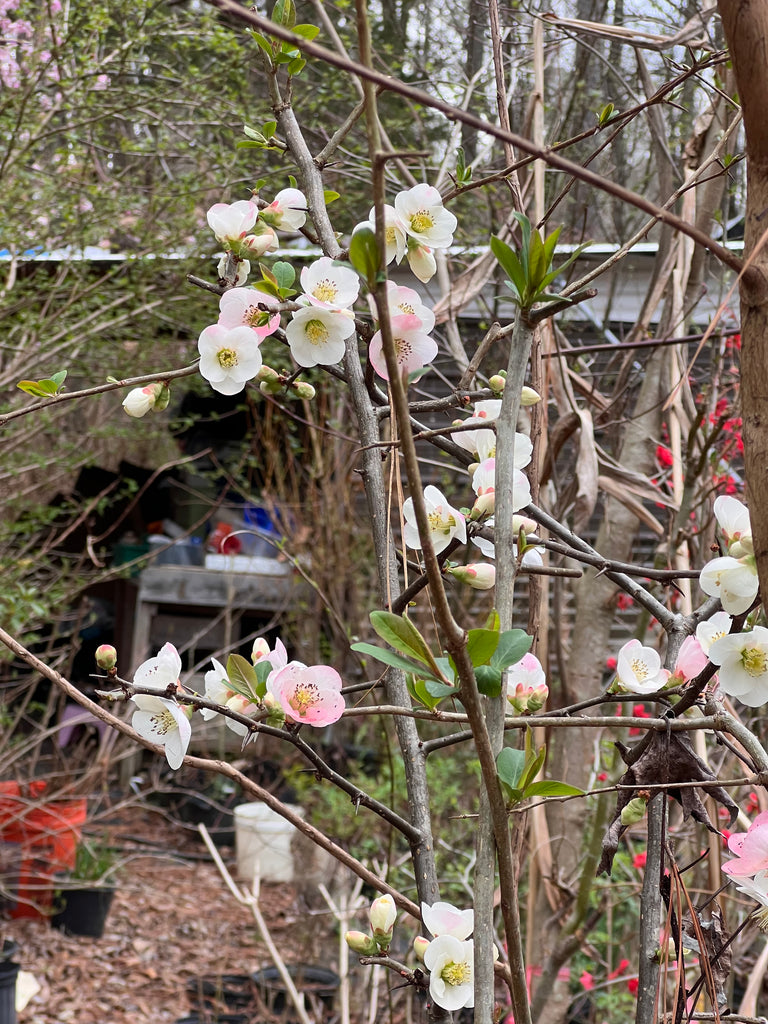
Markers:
{"x": 84, "y": 910}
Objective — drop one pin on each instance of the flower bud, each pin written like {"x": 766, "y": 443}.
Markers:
{"x": 361, "y": 943}
{"x": 163, "y": 398}
{"x": 528, "y": 396}
{"x": 497, "y": 384}
{"x": 537, "y": 698}
{"x": 523, "y": 523}
{"x": 138, "y": 402}
{"x": 420, "y": 945}
{"x": 275, "y": 713}
{"x": 106, "y": 657}
{"x": 304, "y": 389}
{"x": 484, "y": 505}
{"x": 634, "y": 811}
{"x": 268, "y": 388}
{"x": 268, "y": 374}
{"x": 383, "y": 914}
{"x": 259, "y": 650}
{"x": 478, "y": 575}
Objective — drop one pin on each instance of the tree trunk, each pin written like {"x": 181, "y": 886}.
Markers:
{"x": 746, "y": 30}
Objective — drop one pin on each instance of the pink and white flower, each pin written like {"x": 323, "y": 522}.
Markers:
{"x": 229, "y": 356}
{"x": 277, "y": 658}
{"x": 160, "y": 672}
{"x": 757, "y": 889}
{"x": 330, "y": 285}
{"x": 639, "y": 668}
{"x": 750, "y": 849}
{"x": 163, "y": 721}
{"x": 249, "y": 307}
{"x": 731, "y": 579}
{"x": 451, "y": 972}
{"x": 287, "y": 211}
{"x": 310, "y": 695}
{"x": 231, "y": 222}
{"x": 445, "y": 919}
{"x": 395, "y": 236}
{"x": 732, "y": 517}
{"x": 712, "y": 629}
{"x": 444, "y": 521}
{"x": 413, "y": 347}
{"x": 403, "y": 301}
{"x": 527, "y": 685}
{"x": 528, "y": 671}
{"x": 743, "y": 661}
{"x": 317, "y": 336}
{"x": 420, "y": 210}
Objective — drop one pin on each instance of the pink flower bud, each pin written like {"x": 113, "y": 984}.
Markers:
{"x": 138, "y": 402}
{"x": 420, "y": 946}
{"x": 106, "y": 657}
{"x": 479, "y": 575}
{"x": 497, "y": 383}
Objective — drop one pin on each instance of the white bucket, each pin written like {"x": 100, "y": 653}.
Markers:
{"x": 263, "y": 843}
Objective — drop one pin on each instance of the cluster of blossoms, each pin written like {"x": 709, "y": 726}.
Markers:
{"x": 321, "y": 318}
{"x": 527, "y": 685}
{"x": 448, "y": 956}
{"x": 732, "y": 577}
{"x": 447, "y": 523}
{"x": 302, "y": 694}
{"x": 749, "y": 868}
{"x": 417, "y": 224}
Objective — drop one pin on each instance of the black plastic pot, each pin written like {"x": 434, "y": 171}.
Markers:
{"x": 84, "y": 911}
{"x": 227, "y": 991}
{"x": 318, "y": 985}
{"x": 8, "y": 973}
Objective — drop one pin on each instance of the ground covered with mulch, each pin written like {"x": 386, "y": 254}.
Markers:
{"x": 172, "y": 921}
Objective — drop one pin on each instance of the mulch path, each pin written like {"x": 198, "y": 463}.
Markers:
{"x": 172, "y": 920}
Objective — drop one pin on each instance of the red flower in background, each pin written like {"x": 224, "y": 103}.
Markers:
{"x": 663, "y": 455}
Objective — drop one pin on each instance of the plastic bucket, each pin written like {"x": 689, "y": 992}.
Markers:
{"x": 37, "y": 840}
{"x": 263, "y": 843}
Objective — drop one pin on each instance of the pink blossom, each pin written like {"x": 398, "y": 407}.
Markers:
{"x": 249, "y": 307}
{"x": 750, "y": 847}
{"x": 413, "y": 347}
{"x": 308, "y": 694}
{"x": 690, "y": 661}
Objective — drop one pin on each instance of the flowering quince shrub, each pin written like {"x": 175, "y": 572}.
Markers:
{"x": 473, "y": 677}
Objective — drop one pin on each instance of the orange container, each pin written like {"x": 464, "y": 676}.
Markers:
{"x": 37, "y": 840}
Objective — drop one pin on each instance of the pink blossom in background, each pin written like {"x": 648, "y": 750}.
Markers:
{"x": 750, "y": 848}
{"x": 311, "y": 695}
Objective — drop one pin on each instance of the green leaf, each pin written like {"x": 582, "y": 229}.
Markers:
{"x": 435, "y": 689}
{"x": 112, "y": 380}
{"x": 262, "y": 42}
{"x": 39, "y": 388}
{"x": 252, "y": 144}
{"x": 399, "y": 632}
{"x": 284, "y": 274}
{"x": 510, "y": 264}
{"x": 509, "y": 765}
{"x": 306, "y": 31}
{"x": 254, "y": 133}
{"x": 548, "y": 787}
{"x": 481, "y": 643}
{"x": 268, "y": 276}
{"x": 488, "y": 680}
{"x": 393, "y": 659}
{"x": 268, "y": 129}
{"x": 493, "y": 621}
{"x": 296, "y": 66}
{"x": 549, "y": 245}
{"x": 364, "y": 254}
{"x": 330, "y": 196}
{"x": 605, "y": 114}
{"x": 418, "y": 690}
{"x": 513, "y": 644}
{"x": 284, "y": 13}
{"x": 242, "y": 677}
{"x": 59, "y": 378}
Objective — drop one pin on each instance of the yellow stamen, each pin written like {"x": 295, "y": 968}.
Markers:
{"x": 456, "y": 974}
{"x": 754, "y": 660}
{"x": 421, "y": 222}
{"x": 317, "y": 332}
{"x": 227, "y": 358}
